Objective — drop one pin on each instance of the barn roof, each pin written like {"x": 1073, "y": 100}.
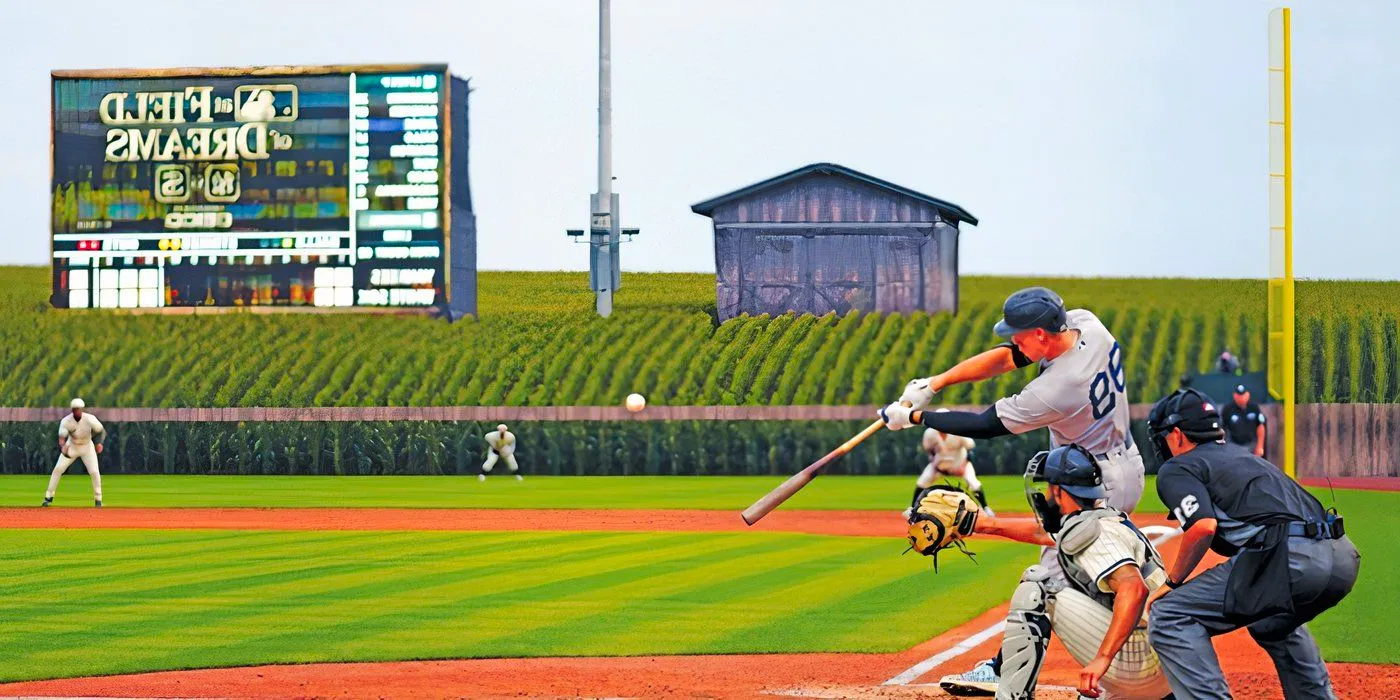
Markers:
{"x": 947, "y": 209}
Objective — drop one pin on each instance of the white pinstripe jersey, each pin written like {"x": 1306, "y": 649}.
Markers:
{"x": 1117, "y": 545}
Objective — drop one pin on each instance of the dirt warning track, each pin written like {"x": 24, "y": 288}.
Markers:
{"x": 908, "y": 674}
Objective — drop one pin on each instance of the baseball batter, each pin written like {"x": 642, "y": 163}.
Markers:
{"x": 1080, "y": 396}
{"x": 80, "y": 436}
{"x": 1108, "y": 565}
{"x": 949, "y": 455}
{"x": 502, "y": 444}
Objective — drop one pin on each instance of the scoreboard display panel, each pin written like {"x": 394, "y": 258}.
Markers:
{"x": 308, "y": 187}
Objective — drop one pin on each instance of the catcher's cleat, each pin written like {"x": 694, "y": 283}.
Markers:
{"x": 48, "y": 501}
{"x": 981, "y": 681}
{"x": 990, "y": 512}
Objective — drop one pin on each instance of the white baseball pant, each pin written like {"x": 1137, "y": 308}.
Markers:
{"x": 87, "y": 453}
{"x": 508, "y": 458}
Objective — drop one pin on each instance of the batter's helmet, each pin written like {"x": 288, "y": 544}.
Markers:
{"x": 1030, "y": 308}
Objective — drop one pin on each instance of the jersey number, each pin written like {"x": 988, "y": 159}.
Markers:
{"x": 1189, "y": 506}
{"x": 1104, "y": 390}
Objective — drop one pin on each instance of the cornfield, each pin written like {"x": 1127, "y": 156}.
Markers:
{"x": 538, "y": 343}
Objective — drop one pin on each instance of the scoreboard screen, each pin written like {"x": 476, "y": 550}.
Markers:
{"x": 297, "y": 186}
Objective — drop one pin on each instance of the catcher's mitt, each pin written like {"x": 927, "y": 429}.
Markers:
{"x": 943, "y": 517}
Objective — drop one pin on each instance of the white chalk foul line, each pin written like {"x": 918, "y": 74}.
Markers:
{"x": 936, "y": 660}
{"x": 1158, "y": 534}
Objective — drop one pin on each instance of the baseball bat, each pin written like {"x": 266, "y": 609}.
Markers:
{"x": 785, "y": 490}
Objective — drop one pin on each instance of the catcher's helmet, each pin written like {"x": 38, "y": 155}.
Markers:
{"x": 1029, "y": 308}
{"x": 1071, "y": 468}
{"x": 1191, "y": 411}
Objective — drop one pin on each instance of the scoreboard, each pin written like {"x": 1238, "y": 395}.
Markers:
{"x": 309, "y": 187}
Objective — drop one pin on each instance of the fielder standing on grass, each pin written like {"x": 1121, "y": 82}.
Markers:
{"x": 1080, "y": 395}
{"x": 502, "y": 444}
{"x": 948, "y": 455}
{"x": 80, "y": 436}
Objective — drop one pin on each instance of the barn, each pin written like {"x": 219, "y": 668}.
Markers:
{"x": 825, "y": 238}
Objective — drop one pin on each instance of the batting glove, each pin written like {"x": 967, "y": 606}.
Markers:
{"x": 897, "y": 416}
{"x": 917, "y": 394}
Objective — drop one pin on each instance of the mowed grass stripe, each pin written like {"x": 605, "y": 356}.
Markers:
{"x": 834, "y": 492}
{"x": 666, "y": 591}
{"x": 521, "y": 619}
{"x": 970, "y": 590}
{"x": 481, "y": 588}
{"x": 788, "y": 607}
{"x": 320, "y": 576}
{"x": 240, "y": 580}
{"x": 448, "y": 593}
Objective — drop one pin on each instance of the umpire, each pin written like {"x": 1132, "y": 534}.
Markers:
{"x": 1289, "y": 559}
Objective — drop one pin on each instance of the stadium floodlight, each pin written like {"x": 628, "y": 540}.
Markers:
{"x": 604, "y": 231}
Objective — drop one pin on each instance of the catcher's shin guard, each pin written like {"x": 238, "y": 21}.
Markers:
{"x": 1026, "y": 638}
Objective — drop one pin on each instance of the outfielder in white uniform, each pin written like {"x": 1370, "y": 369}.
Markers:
{"x": 1099, "y": 611}
{"x": 1080, "y": 395}
{"x": 502, "y": 443}
{"x": 950, "y": 456}
{"x": 80, "y": 436}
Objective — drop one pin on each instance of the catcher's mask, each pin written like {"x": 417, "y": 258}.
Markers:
{"x": 1069, "y": 467}
{"x": 1191, "y": 411}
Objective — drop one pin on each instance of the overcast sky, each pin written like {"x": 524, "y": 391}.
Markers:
{"x": 1091, "y": 138}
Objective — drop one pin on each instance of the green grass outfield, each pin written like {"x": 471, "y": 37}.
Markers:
{"x": 499, "y": 491}
{"x": 99, "y": 602}
{"x": 83, "y": 602}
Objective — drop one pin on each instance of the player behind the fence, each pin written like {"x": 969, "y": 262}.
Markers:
{"x": 80, "y": 436}
{"x": 502, "y": 444}
{"x": 1109, "y": 565}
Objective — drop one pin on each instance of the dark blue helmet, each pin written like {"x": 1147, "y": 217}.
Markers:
{"x": 1071, "y": 468}
{"x": 1030, "y": 308}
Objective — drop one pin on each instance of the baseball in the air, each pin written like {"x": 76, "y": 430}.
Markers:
{"x": 636, "y": 402}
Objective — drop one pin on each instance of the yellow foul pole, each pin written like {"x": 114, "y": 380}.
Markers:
{"x": 1282, "y": 333}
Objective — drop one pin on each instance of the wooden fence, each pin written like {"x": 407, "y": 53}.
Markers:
{"x": 1334, "y": 440}
{"x": 1349, "y": 440}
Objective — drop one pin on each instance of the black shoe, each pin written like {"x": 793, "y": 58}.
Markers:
{"x": 97, "y": 504}
{"x": 48, "y": 501}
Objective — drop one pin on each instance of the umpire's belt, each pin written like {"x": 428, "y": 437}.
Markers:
{"x": 1120, "y": 449}
{"x": 1332, "y": 530}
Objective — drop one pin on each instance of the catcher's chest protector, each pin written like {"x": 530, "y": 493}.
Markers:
{"x": 1081, "y": 530}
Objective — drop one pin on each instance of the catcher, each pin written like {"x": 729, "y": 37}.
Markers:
{"x": 1109, "y": 564}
